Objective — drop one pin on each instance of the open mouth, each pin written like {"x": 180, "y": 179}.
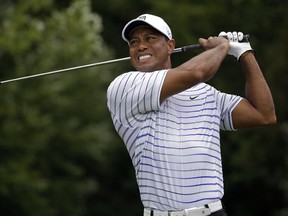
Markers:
{"x": 144, "y": 57}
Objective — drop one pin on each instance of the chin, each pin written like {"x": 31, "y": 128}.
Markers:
{"x": 145, "y": 69}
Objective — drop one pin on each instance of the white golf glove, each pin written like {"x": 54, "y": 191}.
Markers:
{"x": 237, "y": 48}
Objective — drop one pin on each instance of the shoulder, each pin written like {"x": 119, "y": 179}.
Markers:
{"x": 133, "y": 77}
{"x": 127, "y": 75}
{"x": 122, "y": 79}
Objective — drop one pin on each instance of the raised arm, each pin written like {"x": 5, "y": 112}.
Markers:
{"x": 257, "y": 108}
{"x": 198, "y": 69}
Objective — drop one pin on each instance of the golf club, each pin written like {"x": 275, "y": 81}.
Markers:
{"x": 176, "y": 50}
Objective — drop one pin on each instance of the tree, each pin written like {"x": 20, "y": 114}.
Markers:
{"x": 55, "y": 132}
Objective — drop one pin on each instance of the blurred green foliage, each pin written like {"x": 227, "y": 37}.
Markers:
{"x": 59, "y": 153}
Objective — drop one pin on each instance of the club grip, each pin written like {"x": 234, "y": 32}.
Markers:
{"x": 197, "y": 46}
{"x": 190, "y": 47}
{"x": 245, "y": 38}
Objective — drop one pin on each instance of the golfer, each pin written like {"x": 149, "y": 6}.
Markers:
{"x": 170, "y": 119}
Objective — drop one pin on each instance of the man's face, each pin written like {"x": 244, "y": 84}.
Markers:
{"x": 149, "y": 49}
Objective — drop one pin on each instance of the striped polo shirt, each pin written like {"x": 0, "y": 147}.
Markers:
{"x": 174, "y": 145}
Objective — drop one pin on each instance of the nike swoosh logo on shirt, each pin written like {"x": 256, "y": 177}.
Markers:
{"x": 193, "y": 97}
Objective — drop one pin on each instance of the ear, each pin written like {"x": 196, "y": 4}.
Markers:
{"x": 171, "y": 46}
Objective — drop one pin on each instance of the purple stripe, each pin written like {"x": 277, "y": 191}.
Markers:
{"x": 188, "y": 155}
{"x": 196, "y": 162}
{"x": 181, "y": 178}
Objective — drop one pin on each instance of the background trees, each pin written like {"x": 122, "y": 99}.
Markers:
{"x": 59, "y": 154}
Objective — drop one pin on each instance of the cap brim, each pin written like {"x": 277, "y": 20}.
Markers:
{"x": 131, "y": 26}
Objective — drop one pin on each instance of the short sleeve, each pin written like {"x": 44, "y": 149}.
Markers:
{"x": 226, "y": 104}
{"x": 134, "y": 94}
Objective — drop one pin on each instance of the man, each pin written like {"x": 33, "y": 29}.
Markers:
{"x": 170, "y": 119}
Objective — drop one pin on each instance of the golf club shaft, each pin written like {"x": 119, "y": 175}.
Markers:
{"x": 64, "y": 70}
{"x": 176, "y": 50}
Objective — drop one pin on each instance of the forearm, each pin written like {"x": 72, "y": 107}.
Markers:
{"x": 203, "y": 66}
{"x": 257, "y": 91}
{"x": 196, "y": 70}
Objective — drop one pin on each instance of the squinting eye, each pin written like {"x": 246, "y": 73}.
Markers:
{"x": 133, "y": 41}
{"x": 150, "y": 37}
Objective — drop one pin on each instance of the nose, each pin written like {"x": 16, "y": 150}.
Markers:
{"x": 142, "y": 45}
